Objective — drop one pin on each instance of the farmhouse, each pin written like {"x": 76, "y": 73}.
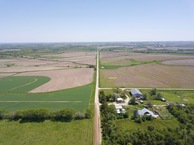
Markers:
{"x": 136, "y": 93}
{"x": 119, "y": 109}
{"x": 145, "y": 111}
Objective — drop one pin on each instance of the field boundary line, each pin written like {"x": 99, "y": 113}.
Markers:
{"x": 42, "y": 101}
{"x": 35, "y": 80}
{"x": 168, "y": 89}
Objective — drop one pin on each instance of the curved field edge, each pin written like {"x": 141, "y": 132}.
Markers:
{"x": 22, "y": 83}
{"x": 75, "y": 98}
{"x": 75, "y": 132}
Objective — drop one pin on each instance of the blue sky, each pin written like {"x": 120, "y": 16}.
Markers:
{"x": 96, "y": 20}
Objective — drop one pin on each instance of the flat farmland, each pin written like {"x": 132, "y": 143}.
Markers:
{"x": 146, "y": 70}
{"x": 14, "y": 95}
{"x": 21, "y": 84}
{"x": 187, "y": 62}
{"x": 64, "y": 60}
{"x": 75, "y": 57}
{"x": 47, "y": 133}
{"x": 45, "y": 80}
{"x": 62, "y": 79}
{"x": 54, "y": 79}
{"x": 125, "y": 59}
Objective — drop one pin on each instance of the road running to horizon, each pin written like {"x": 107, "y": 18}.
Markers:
{"x": 97, "y": 126}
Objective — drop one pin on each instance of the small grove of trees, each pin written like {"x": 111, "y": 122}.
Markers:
{"x": 41, "y": 115}
{"x": 106, "y": 98}
{"x": 156, "y": 95}
{"x": 184, "y": 114}
{"x": 110, "y": 97}
{"x": 132, "y": 101}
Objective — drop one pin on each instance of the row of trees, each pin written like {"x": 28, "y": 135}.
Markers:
{"x": 41, "y": 115}
{"x": 108, "y": 117}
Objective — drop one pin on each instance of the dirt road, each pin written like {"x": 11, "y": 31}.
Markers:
{"x": 97, "y": 126}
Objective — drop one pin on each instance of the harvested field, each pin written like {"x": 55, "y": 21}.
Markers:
{"x": 23, "y": 65}
{"x": 149, "y": 75}
{"x": 48, "y": 62}
{"x": 123, "y": 58}
{"x": 62, "y": 79}
{"x": 78, "y": 57}
{"x": 179, "y": 62}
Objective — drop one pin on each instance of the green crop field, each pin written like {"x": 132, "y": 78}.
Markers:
{"x": 47, "y": 133}
{"x": 17, "y": 98}
{"x": 21, "y": 84}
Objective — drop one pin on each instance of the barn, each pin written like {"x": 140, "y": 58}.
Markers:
{"x": 136, "y": 93}
{"x": 145, "y": 111}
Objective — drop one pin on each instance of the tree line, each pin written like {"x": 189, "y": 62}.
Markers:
{"x": 40, "y": 115}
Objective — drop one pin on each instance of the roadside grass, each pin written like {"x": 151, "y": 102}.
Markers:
{"x": 103, "y": 82}
{"x": 48, "y": 132}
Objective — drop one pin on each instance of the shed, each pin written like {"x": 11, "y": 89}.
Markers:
{"x": 136, "y": 93}
{"x": 145, "y": 111}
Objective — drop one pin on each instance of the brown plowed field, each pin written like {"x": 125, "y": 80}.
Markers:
{"x": 48, "y": 62}
{"x": 149, "y": 75}
{"x": 66, "y": 70}
{"x": 123, "y": 58}
{"x": 179, "y": 62}
{"x": 78, "y": 57}
{"x": 62, "y": 79}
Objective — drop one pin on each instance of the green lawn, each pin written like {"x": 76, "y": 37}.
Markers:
{"x": 47, "y": 133}
{"x": 157, "y": 123}
{"x": 174, "y": 96}
{"x": 17, "y": 99}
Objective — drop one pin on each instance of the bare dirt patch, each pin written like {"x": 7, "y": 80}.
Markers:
{"x": 150, "y": 75}
{"x": 62, "y": 79}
